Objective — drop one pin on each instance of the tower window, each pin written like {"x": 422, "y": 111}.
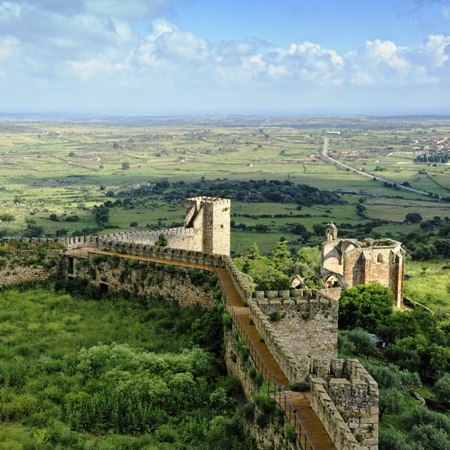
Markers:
{"x": 380, "y": 258}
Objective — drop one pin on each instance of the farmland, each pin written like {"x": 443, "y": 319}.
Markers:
{"x": 66, "y": 167}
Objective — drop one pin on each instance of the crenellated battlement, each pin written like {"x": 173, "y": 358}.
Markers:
{"x": 344, "y": 389}
{"x": 304, "y": 301}
{"x": 223, "y": 202}
{"x": 206, "y": 229}
{"x": 298, "y": 326}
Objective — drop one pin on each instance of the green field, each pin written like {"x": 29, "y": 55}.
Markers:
{"x": 68, "y": 167}
{"x": 428, "y": 282}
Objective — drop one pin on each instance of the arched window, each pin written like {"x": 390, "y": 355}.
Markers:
{"x": 380, "y": 258}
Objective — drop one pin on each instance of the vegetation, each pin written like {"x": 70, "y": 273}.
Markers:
{"x": 141, "y": 169}
{"x": 73, "y": 178}
{"x": 366, "y": 306}
{"x": 113, "y": 373}
{"x": 412, "y": 368}
{"x": 276, "y": 270}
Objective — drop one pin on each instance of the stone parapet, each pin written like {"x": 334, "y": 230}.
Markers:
{"x": 304, "y": 301}
{"x": 285, "y": 359}
{"x": 352, "y": 392}
{"x": 239, "y": 282}
{"x": 166, "y": 253}
{"x": 331, "y": 418}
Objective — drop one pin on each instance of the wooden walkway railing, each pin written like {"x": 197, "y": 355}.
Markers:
{"x": 275, "y": 390}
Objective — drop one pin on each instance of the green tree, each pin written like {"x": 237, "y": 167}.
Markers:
{"x": 281, "y": 256}
{"x": 101, "y": 215}
{"x": 363, "y": 342}
{"x": 7, "y": 218}
{"x": 266, "y": 275}
{"x": 430, "y": 437}
{"x": 366, "y": 306}
{"x": 33, "y": 230}
{"x": 398, "y": 326}
{"x": 391, "y": 401}
{"x": 392, "y": 439}
{"x": 442, "y": 389}
{"x": 413, "y": 218}
{"x": 255, "y": 253}
{"x": 162, "y": 240}
{"x": 308, "y": 261}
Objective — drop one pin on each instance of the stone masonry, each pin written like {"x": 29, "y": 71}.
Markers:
{"x": 305, "y": 321}
{"x": 206, "y": 229}
{"x": 345, "y": 397}
{"x": 348, "y": 262}
{"x": 299, "y": 326}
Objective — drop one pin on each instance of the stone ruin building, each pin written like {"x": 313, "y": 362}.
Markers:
{"x": 348, "y": 262}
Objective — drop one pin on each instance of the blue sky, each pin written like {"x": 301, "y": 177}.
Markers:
{"x": 217, "y": 56}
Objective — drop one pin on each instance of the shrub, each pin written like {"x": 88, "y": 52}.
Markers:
{"x": 289, "y": 432}
{"x": 299, "y": 386}
{"x": 442, "y": 389}
{"x": 365, "y": 306}
{"x": 248, "y": 411}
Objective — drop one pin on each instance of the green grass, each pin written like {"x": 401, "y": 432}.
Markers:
{"x": 429, "y": 283}
{"x": 55, "y": 349}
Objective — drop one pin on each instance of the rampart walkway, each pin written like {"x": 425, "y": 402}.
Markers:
{"x": 310, "y": 431}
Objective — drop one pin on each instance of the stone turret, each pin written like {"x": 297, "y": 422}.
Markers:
{"x": 211, "y": 216}
{"x": 206, "y": 229}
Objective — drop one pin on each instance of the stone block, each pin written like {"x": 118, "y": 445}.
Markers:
{"x": 289, "y": 305}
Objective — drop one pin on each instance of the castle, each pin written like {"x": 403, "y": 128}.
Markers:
{"x": 294, "y": 331}
{"x": 348, "y": 262}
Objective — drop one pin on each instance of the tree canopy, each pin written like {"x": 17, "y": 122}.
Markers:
{"x": 366, "y": 306}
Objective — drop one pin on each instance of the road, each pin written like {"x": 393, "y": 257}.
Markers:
{"x": 326, "y": 143}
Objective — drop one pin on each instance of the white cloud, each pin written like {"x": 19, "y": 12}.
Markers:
{"x": 97, "y": 41}
{"x": 383, "y": 63}
{"x": 436, "y": 50}
{"x": 9, "y": 10}
{"x": 9, "y": 46}
{"x": 167, "y": 46}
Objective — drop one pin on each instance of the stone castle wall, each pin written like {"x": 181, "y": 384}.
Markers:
{"x": 180, "y": 237}
{"x": 27, "y": 260}
{"x": 187, "y": 287}
{"x": 298, "y": 326}
{"x": 206, "y": 229}
{"x": 345, "y": 397}
{"x": 305, "y": 322}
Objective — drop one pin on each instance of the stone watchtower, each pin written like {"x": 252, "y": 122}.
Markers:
{"x": 347, "y": 262}
{"x": 211, "y": 218}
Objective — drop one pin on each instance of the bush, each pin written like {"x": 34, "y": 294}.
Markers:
{"x": 300, "y": 386}
{"x": 430, "y": 437}
{"x": 162, "y": 240}
{"x": 392, "y": 439}
{"x": 442, "y": 389}
{"x": 365, "y": 306}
